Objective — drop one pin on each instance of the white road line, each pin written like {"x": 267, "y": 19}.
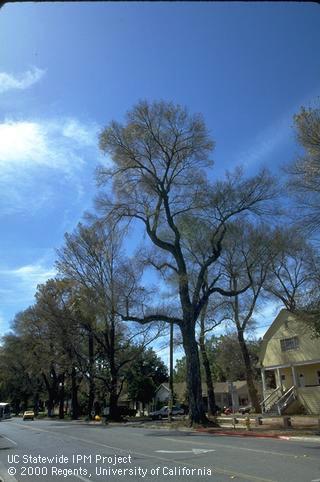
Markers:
{"x": 234, "y": 447}
{"x": 176, "y": 461}
{"x": 193, "y": 451}
{"x": 82, "y": 478}
{"x": 12, "y": 441}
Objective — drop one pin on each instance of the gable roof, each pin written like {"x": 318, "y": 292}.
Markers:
{"x": 180, "y": 388}
{"x": 273, "y": 328}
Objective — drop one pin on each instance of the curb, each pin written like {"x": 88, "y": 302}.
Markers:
{"x": 260, "y": 435}
{"x": 242, "y": 434}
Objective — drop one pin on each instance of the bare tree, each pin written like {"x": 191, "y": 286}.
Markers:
{"x": 93, "y": 258}
{"x": 247, "y": 258}
{"x": 294, "y": 269}
{"x": 207, "y": 323}
{"x": 304, "y": 173}
{"x": 46, "y": 354}
{"x": 158, "y": 167}
{"x": 57, "y": 303}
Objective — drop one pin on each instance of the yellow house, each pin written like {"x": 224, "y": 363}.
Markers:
{"x": 290, "y": 367}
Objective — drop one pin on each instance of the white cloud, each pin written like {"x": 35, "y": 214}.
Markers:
{"x": 83, "y": 135}
{"x": 53, "y": 144}
{"x": 21, "y": 284}
{"x": 36, "y": 157}
{"x": 32, "y": 272}
{"x": 23, "y": 143}
{"x": 21, "y": 82}
{"x": 267, "y": 142}
{"x": 23, "y": 281}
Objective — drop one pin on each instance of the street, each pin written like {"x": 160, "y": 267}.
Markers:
{"x": 54, "y": 450}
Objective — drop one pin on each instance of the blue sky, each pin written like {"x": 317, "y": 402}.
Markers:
{"x": 66, "y": 70}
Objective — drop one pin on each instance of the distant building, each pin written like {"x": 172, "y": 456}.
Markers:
{"x": 222, "y": 390}
{"x": 290, "y": 367}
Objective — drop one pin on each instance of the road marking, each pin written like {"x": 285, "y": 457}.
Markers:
{"x": 81, "y": 478}
{"x": 12, "y": 441}
{"x": 195, "y": 451}
{"x": 234, "y": 447}
{"x": 315, "y": 480}
{"x": 215, "y": 469}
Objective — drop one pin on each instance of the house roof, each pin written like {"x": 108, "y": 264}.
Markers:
{"x": 281, "y": 318}
{"x": 285, "y": 326}
{"x": 219, "y": 387}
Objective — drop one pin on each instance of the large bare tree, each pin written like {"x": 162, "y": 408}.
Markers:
{"x": 93, "y": 258}
{"x": 159, "y": 159}
{"x": 304, "y": 172}
{"x": 248, "y": 257}
{"x": 294, "y": 269}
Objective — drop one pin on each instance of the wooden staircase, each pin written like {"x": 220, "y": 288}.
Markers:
{"x": 278, "y": 401}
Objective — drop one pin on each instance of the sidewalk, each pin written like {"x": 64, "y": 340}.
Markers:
{"x": 289, "y": 434}
{"x": 303, "y": 429}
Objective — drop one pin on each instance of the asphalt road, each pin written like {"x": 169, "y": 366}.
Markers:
{"x": 53, "y": 450}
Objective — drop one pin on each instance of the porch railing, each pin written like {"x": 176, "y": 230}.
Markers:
{"x": 279, "y": 401}
{"x": 288, "y": 397}
{"x": 271, "y": 399}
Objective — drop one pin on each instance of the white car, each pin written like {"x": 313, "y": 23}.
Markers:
{"x": 163, "y": 412}
{"x": 28, "y": 415}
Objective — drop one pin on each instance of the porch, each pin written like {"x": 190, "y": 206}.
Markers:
{"x": 292, "y": 388}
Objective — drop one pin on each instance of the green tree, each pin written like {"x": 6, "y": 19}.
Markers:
{"x": 225, "y": 359}
{"x": 93, "y": 258}
{"x": 20, "y": 384}
{"x": 145, "y": 375}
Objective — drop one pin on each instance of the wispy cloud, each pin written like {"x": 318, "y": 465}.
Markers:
{"x": 276, "y": 135}
{"x": 36, "y": 156}
{"x": 22, "y": 81}
{"x": 53, "y": 144}
{"x": 22, "y": 281}
{"x": 267, "y": 142}
{"x": 2, "y": 321}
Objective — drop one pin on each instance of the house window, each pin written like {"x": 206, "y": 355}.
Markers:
{"x": 318, "y": 373}
{"x": 289, "y": 343}
{"x": 283, "y": 378}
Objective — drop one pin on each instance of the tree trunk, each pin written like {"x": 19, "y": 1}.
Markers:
{"x": 170, "y": 375}
{"x": 36, "y": 403}
{"x": 113, "y": 400}
{"x": 206, "y": 364}
{"x": 74, "y": 394}
{"x": 196, "y": 409}
{"x": 61, "y": 398}
{"x": 253, "y": 394}
{"x": 51, "y": 389}
{"x": 207, "y": 370}
{"x": 91, "y": 375}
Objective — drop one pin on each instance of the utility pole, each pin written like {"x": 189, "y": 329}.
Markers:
{"x": 170, "y": 374}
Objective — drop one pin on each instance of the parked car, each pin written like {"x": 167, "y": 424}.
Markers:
{"x": 246, "y": 409}
{"x": 163, "y": 412}
{"x": 28, "y": 415}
